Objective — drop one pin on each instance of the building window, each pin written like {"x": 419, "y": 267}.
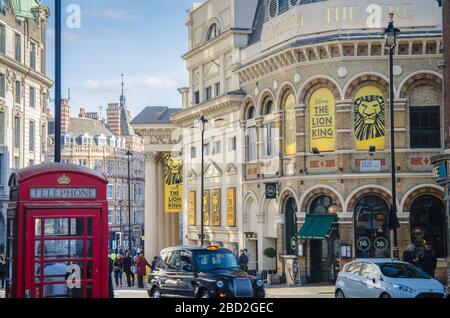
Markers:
{"x": 321, "y": 205}
{"x": 2, "y": 86}
{"x": 273, "y": 8}
{"x": 32, "y": 97}
{"x": 4, "y": 6}
{"x": 206, "y": 150}
{"x": 193, "y": 152}
{"x": 110, "y": 191}
{"x": 213, "y": 32}
{"x": 2, "y": 38}
{"x": 427, "y": 215}
{"x": 425, "y": 127}
{"x": 118, "y": 216}
{"x": 18, "y": 47}
{"x": 371, "y": 232}
{"x": 16, "y": 163}
{"x": 217, "y": 89}
{"x": 110, "y": 216}
{"x": 119, "y": 192}
{"x": 30, "y": 163}
{"x": 208, "y": 93}
{"x": 251, "y": 144}
{"x": 17, "y": 135}
{"x": 196, "y": 97}
{"x": 217, "y": 148}
{"x": 2, "y": 128}
{"x": 82, "y": 162}
{"x": 269, "y": 142}
{"x": 33, "y": 56}
{"x": 18, "y": 96}
{"x": 232, "y": 144}
{"x": 32, "y": 135}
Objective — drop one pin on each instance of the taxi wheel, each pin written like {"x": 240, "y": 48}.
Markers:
{"x": 385, "y": 295}
{"x": 339, "y": 294}
{"x": 156, "y": 293}
{"x": 204, "y": 294}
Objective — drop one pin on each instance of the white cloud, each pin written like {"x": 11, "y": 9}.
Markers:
{"x": 135, "y": 82}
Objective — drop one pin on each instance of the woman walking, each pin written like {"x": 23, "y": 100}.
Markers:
{"x": 128, "y": 267}
{"x": 141, "y": 265}
{"x": 118, "y": 271}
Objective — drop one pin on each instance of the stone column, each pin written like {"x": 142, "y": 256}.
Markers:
{"x": 151, "y": 208}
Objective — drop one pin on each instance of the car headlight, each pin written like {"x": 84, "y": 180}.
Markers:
{"x": 404, "y": 288}
{"x": 220, "y": 284}
{"x": 259, "y": 283}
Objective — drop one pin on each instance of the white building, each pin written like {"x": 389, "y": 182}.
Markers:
{"x": 23, "y": 96}
{"x": 217, "y": 29}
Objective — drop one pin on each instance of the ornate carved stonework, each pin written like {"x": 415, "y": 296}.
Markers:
{"x": 161, "y": 136}
{"x": 151, "y": 157}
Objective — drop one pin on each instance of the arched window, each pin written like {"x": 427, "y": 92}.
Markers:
{"x": 321, "y": 205}
{"x": 268, "y": 132}
{"x": 290, "y": 226}
{"x": 428, "y": 224}
{"x": 371, "y": 228}
{"x": 251, "y": 136}
{"x": 213, "y": 32}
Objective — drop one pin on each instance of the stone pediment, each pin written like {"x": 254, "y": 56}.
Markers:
{"x": 231, "y": 170}
{"x": 192, "y": 175}
{"x": 212, "y": 170}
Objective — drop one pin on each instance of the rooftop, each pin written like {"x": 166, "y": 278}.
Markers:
{"x": 155, "y": 115}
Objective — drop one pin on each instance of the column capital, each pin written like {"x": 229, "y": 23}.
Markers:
{"x": 151, "y": 157}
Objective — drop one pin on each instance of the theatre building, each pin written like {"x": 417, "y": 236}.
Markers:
{"x": 315, "y": 119}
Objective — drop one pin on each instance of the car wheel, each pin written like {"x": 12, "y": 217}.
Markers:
{"x": 339, "y": 294}
{"x": 204, "y": 294}
{"x": 156, "y": 293}
{"x": 385, "y": 295}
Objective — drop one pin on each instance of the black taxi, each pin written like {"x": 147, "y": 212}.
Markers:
{"x": 201, "y": 272}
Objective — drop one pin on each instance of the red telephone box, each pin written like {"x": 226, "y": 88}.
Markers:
{"x": 57, "y": 233}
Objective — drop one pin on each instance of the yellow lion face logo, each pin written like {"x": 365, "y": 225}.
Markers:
{"x": 173, "y": 171}
{"x": 369, "y": 117}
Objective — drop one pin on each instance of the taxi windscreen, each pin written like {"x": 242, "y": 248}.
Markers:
{"x": 215, "y": 260}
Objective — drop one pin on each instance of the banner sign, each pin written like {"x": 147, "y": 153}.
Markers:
{"x": 231, "y": 207}
{"x": 192, "y": 207}
{"x": 173, "y": 184}
{"x": 322, "y": 120}
{"x": 216, "y": 206}
{"x": 290, "y": 131}
{"x": 206, "y": 220}
{"x": 369, "y": 118}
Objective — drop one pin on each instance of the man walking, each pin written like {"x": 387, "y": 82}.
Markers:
{"x": 127, "y": 268}
{"x": 428, "y": 261}
{"x": 243, "y": 261}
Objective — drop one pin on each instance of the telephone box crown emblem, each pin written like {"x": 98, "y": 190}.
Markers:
{"x": 64, "y": 180}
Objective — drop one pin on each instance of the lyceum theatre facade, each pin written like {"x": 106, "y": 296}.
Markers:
{"x": 315, "y": 119}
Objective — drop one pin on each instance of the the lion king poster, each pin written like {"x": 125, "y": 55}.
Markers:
{"x": 322, "y": 121}
{"x": 369, "y": 118}
{"x": 173, "y": 184}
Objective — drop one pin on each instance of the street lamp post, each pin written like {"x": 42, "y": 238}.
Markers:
{"x": 391, "y": 42}
{"x": 203, "y": 122}
{"x": 130, "y": 243}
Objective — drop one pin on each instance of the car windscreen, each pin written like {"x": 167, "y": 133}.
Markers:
{"x": 400, "y": 270}
{"x": 215, "y": 260}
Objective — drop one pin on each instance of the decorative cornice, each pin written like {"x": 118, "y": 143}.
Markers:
{"x": 23, "y": 70}
{"x": 158, "y": 136}
{"x": 216, "y": 107}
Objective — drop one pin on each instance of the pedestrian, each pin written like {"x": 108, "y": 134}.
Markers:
{"x": 243, "y": 261}
{"x": 2, "y": 270}
{"x": 409, "y": 255}
{"x": 110, "y": 280}
{"x": 128, "y": 269}
{"x": 118, "y": 270}
{"x": 153, "y": 265}
{"x": 428, "y": 261}
{"x": 141, "y": 264}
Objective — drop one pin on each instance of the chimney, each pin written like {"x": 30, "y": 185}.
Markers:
{"x": 184, "y": 91}
{"x": 65, "y": 115}
{"x": 113, "y": 118}
{"x": 92, "y": 115}
{"x": 82, "y": 113}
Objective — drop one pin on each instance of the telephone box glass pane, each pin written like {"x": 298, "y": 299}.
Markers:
{"x": 89, "y": 248}
{"x": 63, "y": 249}
{"x": 60, "y": 272}
{"x": 89, "y": 227}
{"x": 37, "y": 249}
{"x": 37, "y": 227}
{"x": 88, "y": 270}
{"x": 64, "y": 227}
{"x": 62, "y": 291}
{"x": 37, "y": 272}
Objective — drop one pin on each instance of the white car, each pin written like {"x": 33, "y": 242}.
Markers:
{"x": 386, "y": 278}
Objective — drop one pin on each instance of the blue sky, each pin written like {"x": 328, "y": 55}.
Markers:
{"x": 143, "y": 38}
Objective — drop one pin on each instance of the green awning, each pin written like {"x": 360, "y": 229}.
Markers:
{"x": 316, "y": 227}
